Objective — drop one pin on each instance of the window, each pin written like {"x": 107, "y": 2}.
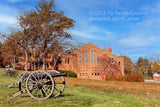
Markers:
{"x": 89, "y": 57}
{"x": 86, "y": 57}
{"x": 83, "y": 57}
{"x": 86, "y": 73}
{"x": 98, "y": 58}
{"x": 80, "y": 73}
{"x": 95, "y": 73}
{"x": 112, "y": 60}
{"x": 98, "y": 73}
{"x": 65, "y": 60}
{"x": 119, "y": 63}
{"x": 68, "y": 60}
{"x": 92, "y": 57}
{"x": 83, "y": 73}
{"x": 92, "y": 73}
{"x": 80, "y": 58}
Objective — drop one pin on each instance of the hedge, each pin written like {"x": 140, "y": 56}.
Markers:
{"x": 69, "y": 73}
{"x": 127, "y": 78}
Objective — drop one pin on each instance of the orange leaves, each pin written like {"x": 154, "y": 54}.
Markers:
{"x": 156, "y": 67}
{"x": 127, "y": 78}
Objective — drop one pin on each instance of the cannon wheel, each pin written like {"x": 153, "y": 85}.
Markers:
{"x": 22, "y": 79}
{"x": 59, "y": 83}
{"x": 40, "y": 85}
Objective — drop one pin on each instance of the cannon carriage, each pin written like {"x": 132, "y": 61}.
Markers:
{"x": 10, "y": 72}
{"x": 40, "y": 84}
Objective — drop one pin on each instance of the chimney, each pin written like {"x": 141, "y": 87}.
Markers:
{"x": 110, "y": 50}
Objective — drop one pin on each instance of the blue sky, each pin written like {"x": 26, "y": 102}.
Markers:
{"x": 129, "y": 27}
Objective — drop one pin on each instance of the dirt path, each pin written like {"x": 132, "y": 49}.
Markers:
{"x": 152, "y": 81}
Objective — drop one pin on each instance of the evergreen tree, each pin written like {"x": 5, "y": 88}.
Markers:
{"x": 149, "y": 72}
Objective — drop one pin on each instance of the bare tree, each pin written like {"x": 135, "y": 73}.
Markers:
{"x": 107, "y": 66}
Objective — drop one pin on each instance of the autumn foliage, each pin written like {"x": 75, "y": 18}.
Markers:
{"x": 127, "y": 78}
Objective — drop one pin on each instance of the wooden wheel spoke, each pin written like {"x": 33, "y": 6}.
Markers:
{"x": 32, "y": 80}
{"x": 58, "y": 80}
{"x": 47, "y": 85}
{"x": 35, "y": 91}
{"x": 44, "y": 91}
{"x": 56, "y": 89}
{"x": 34, "y": 77}
{"x": 38, "y": 76}
{"x": 45, "y": 82}
{"x": 41, "y": 94}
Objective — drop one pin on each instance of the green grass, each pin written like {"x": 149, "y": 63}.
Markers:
{"x": 73, "y": 96}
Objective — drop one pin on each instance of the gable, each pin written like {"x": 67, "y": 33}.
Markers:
{"x": 89, "y": 45}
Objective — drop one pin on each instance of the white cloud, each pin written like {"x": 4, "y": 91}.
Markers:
{"x": 7, "y": 19}
{"x": 13, "y": 1}
{"x": 136, "y": 41}
{"x": 87, "y": 30}
{"x": 85, "y": 35}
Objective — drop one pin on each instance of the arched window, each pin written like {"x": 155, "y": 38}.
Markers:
{"x": 92, "y": 73}
{"x": 119, "y": 63}
{"x": 80, "y": 58}
{"x": 83, "y": 73}
{"x": 98, "y": 58}
{"x": 68, "y": 60}
{"x": 86, "y": 73}
{"x": 95, "y": 73}
{"x": 65, "y": 60}
{"x": 98, "y": 73}
{"x": 80, "y": 73}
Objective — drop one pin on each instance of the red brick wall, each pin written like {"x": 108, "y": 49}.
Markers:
{"x": 86, "y": 59}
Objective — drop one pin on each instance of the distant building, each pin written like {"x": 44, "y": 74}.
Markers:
{"x": 156, "y": 76}
{"x": 84, "y": 62}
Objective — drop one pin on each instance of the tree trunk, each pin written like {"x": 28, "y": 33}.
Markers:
{"x": 44, "y": 61}
{"x": 55, "y": 62}
{"x": 14, "y": 62}
{"x": 26, "y": 60}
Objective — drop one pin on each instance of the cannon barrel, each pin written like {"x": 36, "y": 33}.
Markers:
{"x": 58, "y": 74}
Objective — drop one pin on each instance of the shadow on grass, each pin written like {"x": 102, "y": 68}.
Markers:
{"x": 65, "y": 95}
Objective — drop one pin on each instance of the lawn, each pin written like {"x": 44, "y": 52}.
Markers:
{"x": 87, "y": 93}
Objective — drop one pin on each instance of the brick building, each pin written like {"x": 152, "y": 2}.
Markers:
{"x": 84, "y": 62}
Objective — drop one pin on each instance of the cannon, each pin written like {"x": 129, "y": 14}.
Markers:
{"x": 40, "y": 84}
{"x": 10, "y": 72}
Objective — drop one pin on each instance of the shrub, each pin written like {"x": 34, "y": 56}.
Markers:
{"x": 69, "y": 73}
{"x": 18, "y": 68}
{"x": 134, "y": 78}
{"x": 127, "y": 78}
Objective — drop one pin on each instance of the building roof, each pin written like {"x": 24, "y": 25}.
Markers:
{"x": 89, "y": 44}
